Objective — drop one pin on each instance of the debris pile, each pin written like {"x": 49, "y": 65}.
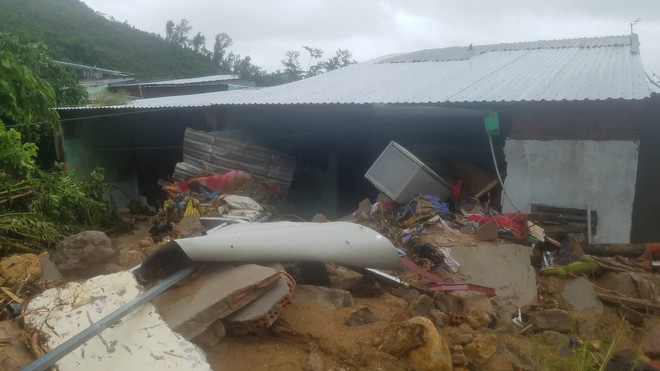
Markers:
{"x": 431, "y": 276}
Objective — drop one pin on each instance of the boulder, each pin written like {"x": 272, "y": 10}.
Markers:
{"x": 16, "y": 269}
{"x": 421, "y": 306}
{"x": 405, "y": 293}
{"x": 419, "y": 340}
{"x": 482, "y": 347}
{"x": 84, "y": 251}
{"x": 477, "y": 318}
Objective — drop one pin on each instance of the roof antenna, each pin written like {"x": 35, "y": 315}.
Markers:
{"x": 634, "y": 23}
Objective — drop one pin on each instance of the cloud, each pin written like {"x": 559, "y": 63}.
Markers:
{"x": 371, "y": 28}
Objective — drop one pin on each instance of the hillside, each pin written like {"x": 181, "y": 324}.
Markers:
{"x": 75, "y": 33}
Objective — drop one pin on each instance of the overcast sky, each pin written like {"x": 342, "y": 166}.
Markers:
{"x": 265, "y": 29}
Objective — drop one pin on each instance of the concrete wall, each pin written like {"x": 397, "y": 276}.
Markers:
{"x": 572, "y": 173}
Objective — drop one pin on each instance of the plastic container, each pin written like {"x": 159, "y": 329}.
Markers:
{"x": 401, "y": 176}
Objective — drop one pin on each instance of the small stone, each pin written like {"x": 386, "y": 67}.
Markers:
{"x": 399, "y": 317}
{"x": 404, "y": 293}
{"x": 421, "y": 306}
{"x": 482, "y": 347}
{"x": 439, "y": 317}
{"x": 343, "y": 278}
{"x": 459, "y": 302}
{"x": 327, "y": 297}
{"x": 21, "y": 268}
{"x": 552, "y": 319}
{"x": 83, "y": 251}
{"x": 314, "y": 362}
{"x": 361, "y": 316}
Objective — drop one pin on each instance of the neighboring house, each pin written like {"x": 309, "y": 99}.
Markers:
{"x": 571, "y": 114}
{"x": 95, "y": 80}
{"x": 166, "y": 88}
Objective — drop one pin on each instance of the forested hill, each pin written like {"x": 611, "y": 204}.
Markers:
{"x": 75, "y": 33}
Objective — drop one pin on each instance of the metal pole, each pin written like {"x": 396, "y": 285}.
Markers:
{"x": 94, "y": 329}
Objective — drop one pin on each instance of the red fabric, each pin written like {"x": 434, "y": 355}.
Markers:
{"x": 514, "y": 222}
{"x": 224, "y": 183}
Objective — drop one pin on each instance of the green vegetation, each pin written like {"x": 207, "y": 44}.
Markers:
{"x": 75, "y": 33}
{"x": 39, "y": 207}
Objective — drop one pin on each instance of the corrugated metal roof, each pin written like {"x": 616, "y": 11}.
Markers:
{"x": 205, "y": 80}
{"x": 576, "y": 69}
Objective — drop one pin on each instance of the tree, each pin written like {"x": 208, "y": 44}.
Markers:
{"x": 342, "y": 58}
{"x": 198, "y": 43}
{"x": 178, "y": 34}
{"x": 314, "y": 53}
{"x": 220, "y": 53}
{"x": 292, "y": 65}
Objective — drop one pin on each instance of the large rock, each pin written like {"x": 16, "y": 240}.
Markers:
{"x": 482, "y": 347}
{"x": 22, "y": 268}
{"x": 418, "y": 339}
{"x": 580, "y": 294}
{"x": 553, "y": 320}
{"x": 84, "y": 251}
{"x": 421, "y": 306}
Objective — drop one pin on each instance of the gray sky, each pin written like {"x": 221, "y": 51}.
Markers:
{"x": 372, "y": 28}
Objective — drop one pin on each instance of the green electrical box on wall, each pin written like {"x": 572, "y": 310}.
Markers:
{"x": 492, "y": 124}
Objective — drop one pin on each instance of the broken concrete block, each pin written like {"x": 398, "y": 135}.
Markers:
{"x": 212, "y": 335}
{"x": 265, "y": 310}
{"x": 49, "y": 272}
{"x": 581, "y": 295}
{"x": 83, "y": 252}
{"x": 361, "y": 316}
{"x": 141, "y": 340}
{"x": 329, "y": 298}
{"x": 552, "y": 319}
{"x": 216, "y": 292}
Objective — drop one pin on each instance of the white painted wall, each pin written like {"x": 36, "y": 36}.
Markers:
{"x": 572, "y": 173}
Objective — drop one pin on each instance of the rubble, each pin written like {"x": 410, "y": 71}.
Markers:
{"x": 482, "y": 347}
{"x": 553, "y": 320}
{"x": 327, "y": 297}
{"x": 361, "y": 316}
{"x": 20, "y": 268}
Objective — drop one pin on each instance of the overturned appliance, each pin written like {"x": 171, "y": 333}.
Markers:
{"x": 343, "y": 243}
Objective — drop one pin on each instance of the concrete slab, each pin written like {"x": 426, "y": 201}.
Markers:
{"x": 140, "y": 341}
{"x": 581, "y": 295}
{"x": 216, "y": 292}
{"x": 504, "y": 267}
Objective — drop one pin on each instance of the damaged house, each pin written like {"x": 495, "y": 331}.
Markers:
{"x": 576, "y": 129}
